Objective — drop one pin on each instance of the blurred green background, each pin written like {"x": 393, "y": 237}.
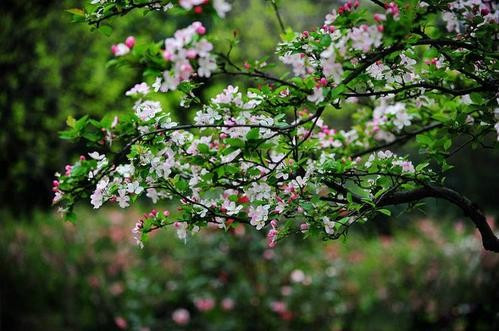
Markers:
{"x": 423, "y": 271}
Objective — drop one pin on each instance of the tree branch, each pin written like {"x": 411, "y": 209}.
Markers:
{"x": 418, "y": 85}
{"x": 124, "y": 11}
{"x": 278, "y": 15}
{"x": 489, "y": 239}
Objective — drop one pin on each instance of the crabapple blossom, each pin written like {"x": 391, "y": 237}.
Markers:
{"x": 141, "y": 88}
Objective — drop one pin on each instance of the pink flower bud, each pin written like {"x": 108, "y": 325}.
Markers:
{"x": 304, "y": 227}
{"x": 167, "y": 55}
{"x": 271, "y": 238}
{"x": 130, "y": 41}
{"x": 114, "y": 49}
{"x": 273, "y": 223}
{"x": 82, "y": 158}
{"x": 166, "y": 213}
{"x": 55, "y": 183}
{"x": 243, "y": 199}
{"x": 191, "y": 54}
{"x": 68, "y": 169}
{"x": 378, "y": 17}
{"x": 201, "y": 30}
{"x": 306, "y": 34}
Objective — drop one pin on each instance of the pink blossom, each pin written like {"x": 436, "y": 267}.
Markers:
{"x": 130, "y": 42}
{"x": 191, "y": 54}
{"x": 204, "y": 304}
{"x": 392, "y": 9}
{"x": 120, "y": 49}
{"x": 278, "y": 306}
{"x": 201, "y": 30}
{"x": 68, "y": 169}
{"x": 168, "y": 56}
{"x": 181, "y": 316}
{"x": 121, "y": 323}
{"x": 228, "y": 304}
{"x": 271, "y": 238}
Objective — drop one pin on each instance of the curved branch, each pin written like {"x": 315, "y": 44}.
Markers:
{"x": 124, "y": 11}
{"x": 418, "y": 85}
{"x": 489, "y": 240}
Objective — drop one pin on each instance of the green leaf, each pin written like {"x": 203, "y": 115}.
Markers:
{"x": 338, "y": 90}
{"x": 106, "y": 29}
{"x": 447, "y": 143}
{"x": 76, "y": 11}
{"x": 70, "y": 121}
{"x": 234, "y": 142}
{"x": 70, "y": 217}
{"x": 182, "y": 185}
{"x": 441, "y": 117}
{"x": 385, "y": 211}
{"x": 253, "y": 134}
{"x": 203, "y": 148}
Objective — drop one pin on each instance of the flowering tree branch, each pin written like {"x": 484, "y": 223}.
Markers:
{"x": 489, "y": 240}
{"x": 267, "y": 156}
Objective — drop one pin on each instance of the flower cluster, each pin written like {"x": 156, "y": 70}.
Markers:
{"x": 183, "y": 52}
{"x": 326, "y": 61}
{"x": 461, "y": 14}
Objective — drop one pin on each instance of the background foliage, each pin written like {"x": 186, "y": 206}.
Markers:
{"x": 429, "y": 277}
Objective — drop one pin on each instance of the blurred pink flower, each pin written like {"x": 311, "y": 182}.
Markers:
{"x": 228, "y": 304}
{"x": 278, "y": 306}
{"x": 121, "y": 323}
{"x": 181, "y": 316}
{"x": 268, "y": 254}
{"x": 94, "y": 281}
{"x": 204, "y": 304}
{"x": 286, "y": 290}
{"x": 116, "y": 288}
{"x": 297, "y": 276}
